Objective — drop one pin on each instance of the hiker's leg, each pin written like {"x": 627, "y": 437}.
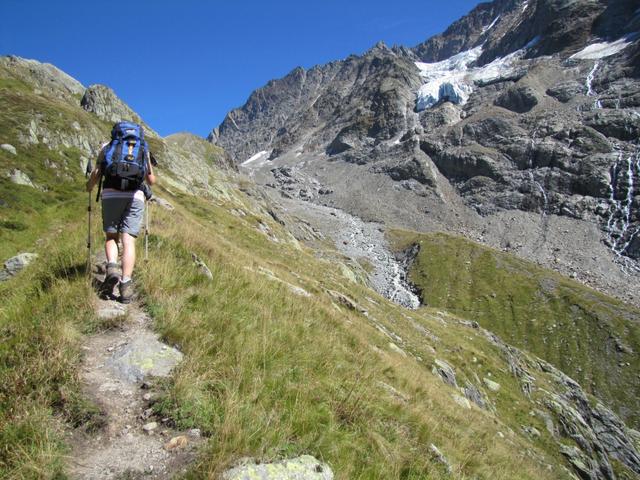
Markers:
{"x": 128, "y": 254}
{"x": 131, "y": 225}
{"x": 111, "y": 247}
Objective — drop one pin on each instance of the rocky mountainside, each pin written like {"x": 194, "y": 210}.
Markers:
{"x": 37, "y": 91}
{"x": 287, "y": 350}
{"x": 516, "y": 127}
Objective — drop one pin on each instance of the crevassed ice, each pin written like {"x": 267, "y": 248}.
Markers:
{"x": 450, "y": 75}
{"x": 453, "y": 79}
{"x": 604, "y": 49}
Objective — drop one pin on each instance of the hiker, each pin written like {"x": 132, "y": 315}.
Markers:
{"x": 122, "y": 168}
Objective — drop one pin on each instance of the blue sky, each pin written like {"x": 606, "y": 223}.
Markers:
{"x": 183, "y": 64}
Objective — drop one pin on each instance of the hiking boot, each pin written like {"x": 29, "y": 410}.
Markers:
{"x": 126, "y": 291}
{"x": 111, "y": 278}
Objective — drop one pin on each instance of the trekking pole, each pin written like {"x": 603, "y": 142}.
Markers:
{"x": 146, "y": 230}
{"x": 87, "y": 172}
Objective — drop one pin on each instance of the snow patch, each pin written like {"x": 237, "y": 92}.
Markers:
{"x": 604, "y": 49}
{"x": 257, "y": 156}
{"x": 495, "y": 20}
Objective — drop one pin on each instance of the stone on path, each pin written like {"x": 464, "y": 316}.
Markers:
{"x": 150, "y": 427}
{"x": 112, "y": 310}
{"x": 176, "y": 442}
{"x": 304, "y": 467}
{"x": 144, "y": 356}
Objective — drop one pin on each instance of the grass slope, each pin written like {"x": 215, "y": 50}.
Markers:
{"x": 588, "y": 335}
{"x": 341, "y": 374}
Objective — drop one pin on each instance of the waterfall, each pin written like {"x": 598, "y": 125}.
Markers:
{"x": 531, "y": 175}
{"x": 542, "y": 190}
{"x": 620, "y": 231}
{"x": 590, "y": 91}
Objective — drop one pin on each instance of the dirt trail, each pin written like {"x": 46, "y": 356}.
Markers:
{"x": 116, "y": 366}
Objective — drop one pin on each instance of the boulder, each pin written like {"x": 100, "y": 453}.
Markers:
{"x": 202, "y": 267}
{"x": 565, "y": 91}
{"x": 439, "y": 457}
{"x": 462, "y": 401}
{"x": 9, "y": 148}
{"x": 491, "y": 385}
{"x": 15, "y": 264}
{"x": 519, "y": 99}
{"x": 304, "y": 467}
{"x": 20, "y": 178}
{"x": 445, "y": 372}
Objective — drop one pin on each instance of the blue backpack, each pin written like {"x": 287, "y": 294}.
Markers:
{"x": 125, "y": 158}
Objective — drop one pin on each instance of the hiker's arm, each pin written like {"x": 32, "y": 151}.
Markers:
{"x": 151, "y": 178}
{"x": 93, "y": 179}
{"x": 97, "y": 171}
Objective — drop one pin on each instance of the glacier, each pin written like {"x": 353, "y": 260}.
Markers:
{"x": 453, "y": 79}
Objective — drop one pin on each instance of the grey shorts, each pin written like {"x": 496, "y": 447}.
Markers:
{"x": 122, "y": 215}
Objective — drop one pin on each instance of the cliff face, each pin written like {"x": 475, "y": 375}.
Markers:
{"x": 521, "y": 113}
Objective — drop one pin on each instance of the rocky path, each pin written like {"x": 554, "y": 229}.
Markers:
{"x": 117, "y": 367}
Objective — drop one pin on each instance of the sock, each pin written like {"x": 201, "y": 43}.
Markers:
{"x": 125, "y": 279}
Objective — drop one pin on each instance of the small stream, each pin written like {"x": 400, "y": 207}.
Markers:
{"x": 358, "y": 239}
{"x": 366, "y": 240}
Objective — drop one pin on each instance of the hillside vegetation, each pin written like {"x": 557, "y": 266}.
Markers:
{"x": 589, "y": 336}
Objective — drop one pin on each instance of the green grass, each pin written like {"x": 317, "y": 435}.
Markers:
{"x": 570, "y": 325}
{"x": 270, "y": 374}
{"x": 44, "y": 311}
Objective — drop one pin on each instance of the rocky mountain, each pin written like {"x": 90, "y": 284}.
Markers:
{"x": 292, "y": 342}
{"x": 516, "y": 127}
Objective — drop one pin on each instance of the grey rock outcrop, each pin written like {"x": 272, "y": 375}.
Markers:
{"x": 598, "y": 433}
{"x": 20, "y": 178}
{"x": 445, "y": 372}
{"x": 103, "y": 101}
{"x": 15, "y": 264}
{"x": 45, "y": 77}
{"x": 9, "y": 148}
{"x": 304, "y": 467}
{"x": 144, "y": 356}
